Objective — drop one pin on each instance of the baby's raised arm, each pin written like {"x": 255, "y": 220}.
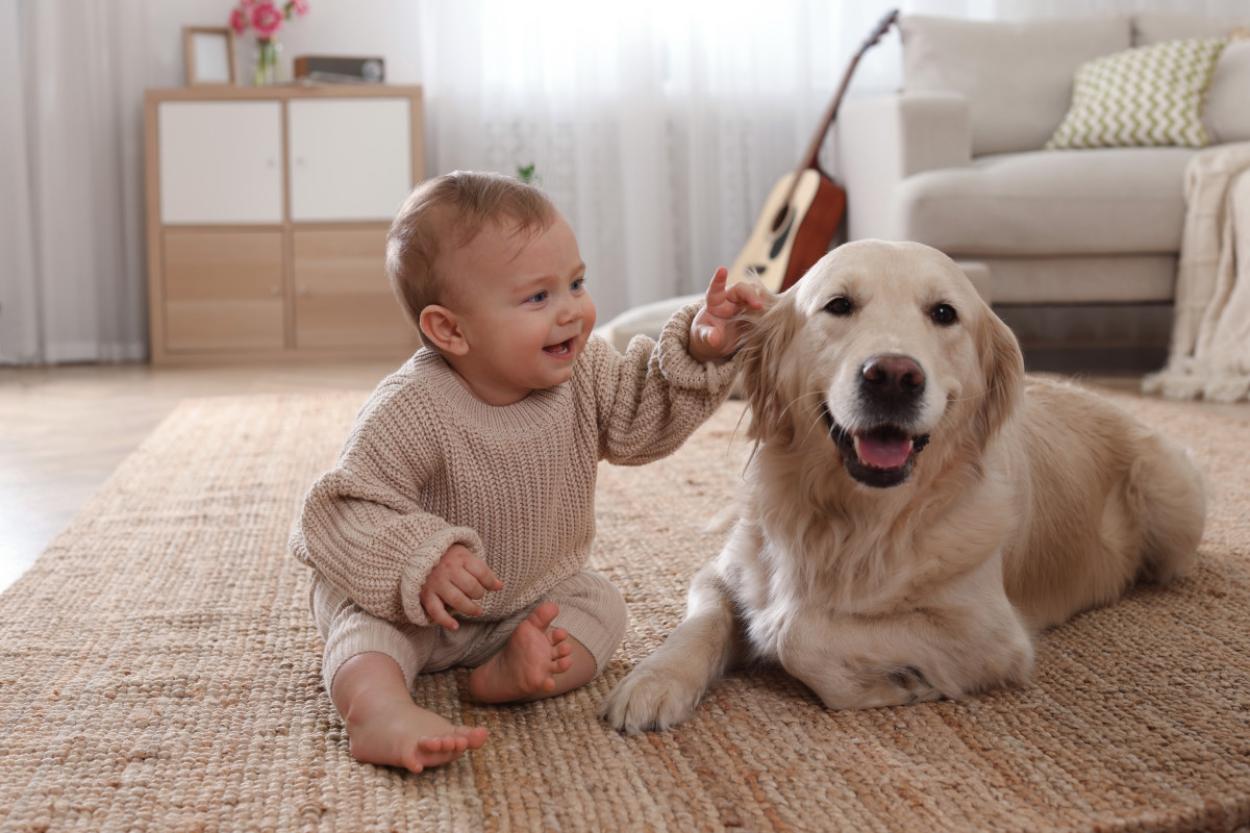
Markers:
{"x": 649, "y": 400}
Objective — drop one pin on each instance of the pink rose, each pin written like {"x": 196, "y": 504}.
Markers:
{"x": 266, "y": 19}
{"x": 238, "y": 20}
{"x": 300, "y": 6}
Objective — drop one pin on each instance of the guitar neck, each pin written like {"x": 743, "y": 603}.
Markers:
{"x": 811, "y": 159}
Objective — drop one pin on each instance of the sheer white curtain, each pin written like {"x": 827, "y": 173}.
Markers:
{"x": 71, "y": 179}
{"x": 658, "y": 128}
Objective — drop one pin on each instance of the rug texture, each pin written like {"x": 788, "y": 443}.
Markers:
{"x": 159, "y": 670}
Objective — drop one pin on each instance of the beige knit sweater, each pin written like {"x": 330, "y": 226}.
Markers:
{"x": 428, "y": 465}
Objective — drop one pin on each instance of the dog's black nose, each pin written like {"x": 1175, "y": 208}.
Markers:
{"x": 892, "y": 379}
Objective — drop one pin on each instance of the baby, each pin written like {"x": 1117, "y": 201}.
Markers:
{"x": 455, "y": 527}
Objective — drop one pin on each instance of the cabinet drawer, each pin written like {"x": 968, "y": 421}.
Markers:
{"x": 220, "y": 161}
{"x": 342, "y": 296}
{"x": 223, "y": 290}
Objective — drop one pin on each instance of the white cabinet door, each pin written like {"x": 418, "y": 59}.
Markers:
{"x": 220, "y": 161}
{"x": 351, "y": 159}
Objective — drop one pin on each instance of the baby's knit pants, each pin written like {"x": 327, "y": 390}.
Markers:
{"x": 592, "y": 610}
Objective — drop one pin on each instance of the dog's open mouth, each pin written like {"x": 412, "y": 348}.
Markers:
{"x": 881, "y": 456}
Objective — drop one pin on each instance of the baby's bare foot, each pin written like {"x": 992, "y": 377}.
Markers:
{"x": 408, "y": 736}
{"x": 526, "y": 667}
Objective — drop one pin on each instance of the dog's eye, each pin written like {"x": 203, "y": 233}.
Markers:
{"x": 840, "y": 305}
{"x": 943, "y": 314}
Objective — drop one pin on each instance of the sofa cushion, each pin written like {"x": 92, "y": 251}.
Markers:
{"x": 1157, "y": 28}
{"x": 1102, "y": 201}
{"x": 1083, "y": 279}
{"x": 645, "y": 320}
{"x": 1148, "y": 96}
{"x": 1227, "y": 111}
{"x": 1017, "y": 77}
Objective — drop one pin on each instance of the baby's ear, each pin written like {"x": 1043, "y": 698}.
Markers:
{"x": 441, "y": 327}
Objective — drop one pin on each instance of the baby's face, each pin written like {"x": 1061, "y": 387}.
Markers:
{"x": 524, "y": 310}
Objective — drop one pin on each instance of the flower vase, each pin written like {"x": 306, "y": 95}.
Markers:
{"x": 267, "y": 50}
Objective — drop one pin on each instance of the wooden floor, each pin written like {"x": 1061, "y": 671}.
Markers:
{"x": 65, "y": 429}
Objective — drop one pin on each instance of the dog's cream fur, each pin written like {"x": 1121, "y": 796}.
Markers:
{"x": 1032, "y": 502}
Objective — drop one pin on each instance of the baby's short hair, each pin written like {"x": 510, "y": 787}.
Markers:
{"x": 449, "y": 211}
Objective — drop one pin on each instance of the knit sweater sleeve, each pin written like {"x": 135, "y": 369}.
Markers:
{"x": 362, "y": 528}
{"x": 649, "y": 400}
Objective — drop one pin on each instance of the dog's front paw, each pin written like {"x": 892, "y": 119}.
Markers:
{"x": 650, "y": 698}
{"x": 911, "y": 683}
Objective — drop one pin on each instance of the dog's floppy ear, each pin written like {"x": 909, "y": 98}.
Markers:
{"x": 1002, "y": 366}
{"x": 766, "y": 344}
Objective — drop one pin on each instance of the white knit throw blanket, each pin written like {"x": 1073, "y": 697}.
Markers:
{"x": 1210, "y": 352}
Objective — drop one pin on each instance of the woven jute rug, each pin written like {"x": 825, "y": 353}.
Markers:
{"x": 159, "y": 671}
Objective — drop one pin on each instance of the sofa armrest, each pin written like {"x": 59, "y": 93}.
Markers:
{"x": 882, "y": 140}
{"x": 646, "y": 320}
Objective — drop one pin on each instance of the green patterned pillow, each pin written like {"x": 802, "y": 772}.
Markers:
{"x": 1143, "y": 97}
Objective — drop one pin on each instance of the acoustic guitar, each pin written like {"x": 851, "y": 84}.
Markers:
{"x": 804, "y": 209}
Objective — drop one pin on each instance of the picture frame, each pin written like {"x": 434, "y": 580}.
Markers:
{"x": 208, "y": 52}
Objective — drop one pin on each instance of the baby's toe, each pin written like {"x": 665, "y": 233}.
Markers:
{"x": 474, "y": 736}
{"x": 543, "y": 615}
{"x": 428, "y": 752}
{"x": 452, "y": 744}
{"x": 558, "y": 635}
{"x": 539, "y": 679}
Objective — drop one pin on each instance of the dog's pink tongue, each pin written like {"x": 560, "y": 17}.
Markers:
{"x": 881, "y": 452}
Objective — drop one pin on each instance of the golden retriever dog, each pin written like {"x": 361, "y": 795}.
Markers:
{"x": 916, "y": 510}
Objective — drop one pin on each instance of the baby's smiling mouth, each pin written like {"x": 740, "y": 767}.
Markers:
{"x": 561, "y": 349}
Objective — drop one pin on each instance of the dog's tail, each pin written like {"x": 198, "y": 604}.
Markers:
{"x": 1166, "y": 492}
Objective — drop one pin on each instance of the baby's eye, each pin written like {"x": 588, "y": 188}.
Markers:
{"x": 537, "y": 297}
{"x": 579, "y": 284}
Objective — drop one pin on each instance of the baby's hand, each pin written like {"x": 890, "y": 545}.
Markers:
{"x": 715, "y": 331}
{"x": 457, "y": 581}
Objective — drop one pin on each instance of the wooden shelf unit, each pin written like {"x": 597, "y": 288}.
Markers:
{"x": 267, "y": 213}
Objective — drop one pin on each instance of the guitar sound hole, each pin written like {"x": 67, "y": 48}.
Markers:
{"x": 779, "y": 243}
{"x": 782, "y": 216}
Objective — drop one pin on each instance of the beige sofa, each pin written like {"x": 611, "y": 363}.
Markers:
{"x": 955, "y": 160}
{"x": 1076, "y": 249}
